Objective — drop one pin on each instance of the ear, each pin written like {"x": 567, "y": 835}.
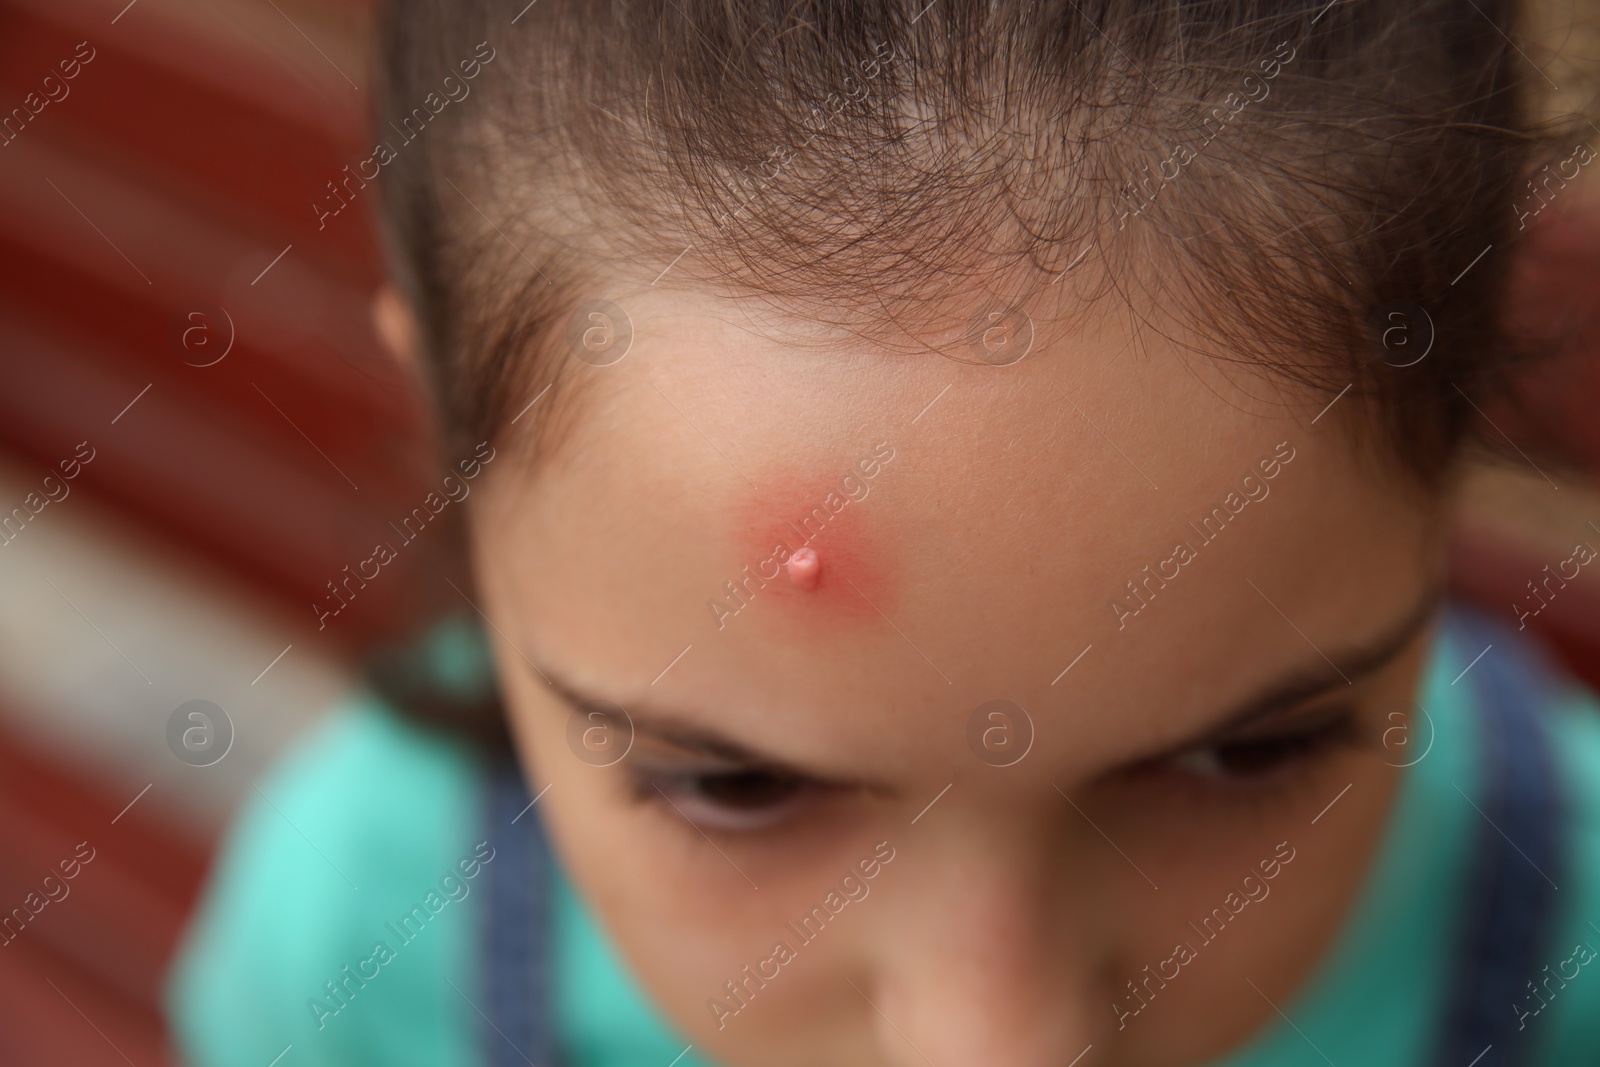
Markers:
{"x": 396, "y": 327}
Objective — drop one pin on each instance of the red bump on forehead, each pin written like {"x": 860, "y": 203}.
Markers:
{"x": 809, "y": 549}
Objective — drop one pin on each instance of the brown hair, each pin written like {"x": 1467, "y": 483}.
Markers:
{"x": 1305, "y": 168}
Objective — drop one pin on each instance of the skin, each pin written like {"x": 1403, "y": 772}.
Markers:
{"x": 981, "y": 562}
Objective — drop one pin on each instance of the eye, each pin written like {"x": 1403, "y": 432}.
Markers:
{"x": 728, "y": 799}
{"x": 1262, "y": 753}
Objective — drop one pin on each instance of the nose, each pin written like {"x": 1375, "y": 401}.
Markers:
{"x": 983, "y": 962}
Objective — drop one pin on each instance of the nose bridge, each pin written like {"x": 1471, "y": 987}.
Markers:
{"x": 987, "y": 955}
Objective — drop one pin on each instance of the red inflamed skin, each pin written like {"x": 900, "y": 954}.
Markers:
{"x": 809, "y": 552}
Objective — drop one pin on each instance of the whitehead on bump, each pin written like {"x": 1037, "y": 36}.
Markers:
{"x": 804, "y": 568}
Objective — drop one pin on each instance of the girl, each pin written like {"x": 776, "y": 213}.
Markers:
{"x": 1084, "y": 696}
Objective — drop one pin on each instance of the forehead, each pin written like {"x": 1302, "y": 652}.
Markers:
{"x": 978, "y": 528}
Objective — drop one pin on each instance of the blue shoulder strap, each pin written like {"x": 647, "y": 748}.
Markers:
{"x": 1517, "y": 859}
{"x": 516, "y": 1030}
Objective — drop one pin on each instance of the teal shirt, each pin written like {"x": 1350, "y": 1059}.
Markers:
{"x": 371, "y": 821}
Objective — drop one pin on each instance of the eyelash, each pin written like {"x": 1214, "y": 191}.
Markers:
{"x": 1271, "y": 758}
{"x": 684, "y": 793}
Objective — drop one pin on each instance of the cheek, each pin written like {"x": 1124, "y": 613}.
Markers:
{"x": 1277, "y": 941}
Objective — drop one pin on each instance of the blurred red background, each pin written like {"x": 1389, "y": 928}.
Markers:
{"x": 171, "y": 190}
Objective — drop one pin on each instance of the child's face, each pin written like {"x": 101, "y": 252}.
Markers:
{"x": 974, "y": 527}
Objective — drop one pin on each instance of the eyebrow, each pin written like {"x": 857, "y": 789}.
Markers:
{"x": 680, "y": 732}
{"x": 1360, "y": 661}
